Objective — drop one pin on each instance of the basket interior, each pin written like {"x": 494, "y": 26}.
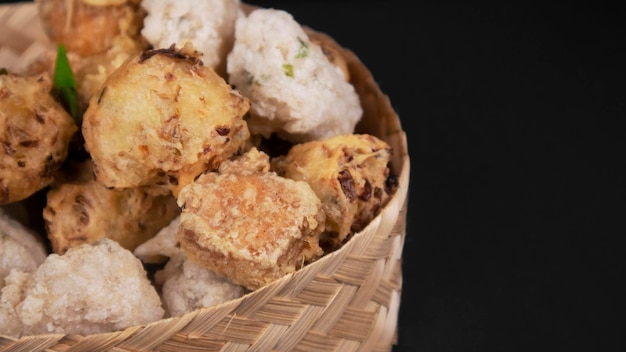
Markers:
{"x": 346, "y": 301}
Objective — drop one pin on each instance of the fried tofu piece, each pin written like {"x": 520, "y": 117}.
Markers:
{"x": 35, "y": 135}
{"x": 162, "y": 119}
{"x": 249, "y": 224}
{"x": 84, "y": 211}
{"x": 349, "y": 174}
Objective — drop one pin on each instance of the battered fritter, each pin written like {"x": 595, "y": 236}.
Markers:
{"x": 350, "y": 175}
{"x": 162, "y": 119}
{"x": 90, "y": 27}
{"x": 83, "y": 211}
{"x": 35, "y": 134}
{"x": 249, "y": 224}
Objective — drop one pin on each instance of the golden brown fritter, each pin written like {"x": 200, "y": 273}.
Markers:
{"x": 89, "y": 27}
{"x": 35, "y": 133}
{"x": 250, "y": 224}
{"x": 93, "y": 71}
{"x": 83, "y": 211}
{"x": 90, "y": 72}
{"x": 348, "y": 173}
{"x": 162, "y": 119}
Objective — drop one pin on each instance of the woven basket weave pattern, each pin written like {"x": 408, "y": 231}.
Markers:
{"x": 346, "y": 301}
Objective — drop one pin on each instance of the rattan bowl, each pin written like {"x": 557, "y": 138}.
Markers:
{"x": 346, "y": 301}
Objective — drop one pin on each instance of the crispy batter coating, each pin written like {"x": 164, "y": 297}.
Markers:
{"x": 84, "y": 211}
{"x": 35, "y": 134}
{"x": 93, "y": 71}
{"x": 90, "y": 27}
{"x": 90, "y": 72}
{"x": 250, "y": 224}
{"x": 20, "y": 248}
{"x": 348, "y": 173}
{"x": 94, "y": 288}
{"x": 162, "y": 119}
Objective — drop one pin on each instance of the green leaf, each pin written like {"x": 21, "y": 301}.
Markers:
{"x": 65, "y": 84}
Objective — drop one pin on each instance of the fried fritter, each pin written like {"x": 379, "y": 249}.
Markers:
{"x": 35, "y": 134}
{"x": 84, "y": 211}
{"x": 249, "y": 224}
{"x": 90, "y": 27}
{"x": 348, "y": 173}
{"x": 91, "y": 71}
{"x": 162, "y": 119}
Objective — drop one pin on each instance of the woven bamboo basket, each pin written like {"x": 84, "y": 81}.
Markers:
{"x": 346, "y": 301}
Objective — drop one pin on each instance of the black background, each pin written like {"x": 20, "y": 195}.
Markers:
{"x": 516, "y": 207}
{"x": 516, "y": 203}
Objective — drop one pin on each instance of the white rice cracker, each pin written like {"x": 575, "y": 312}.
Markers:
{"x": 209, "y": 25}
{"x": 295, "y": 91}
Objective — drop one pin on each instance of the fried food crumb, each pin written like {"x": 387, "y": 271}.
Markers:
{"x": 161, "y": 119}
